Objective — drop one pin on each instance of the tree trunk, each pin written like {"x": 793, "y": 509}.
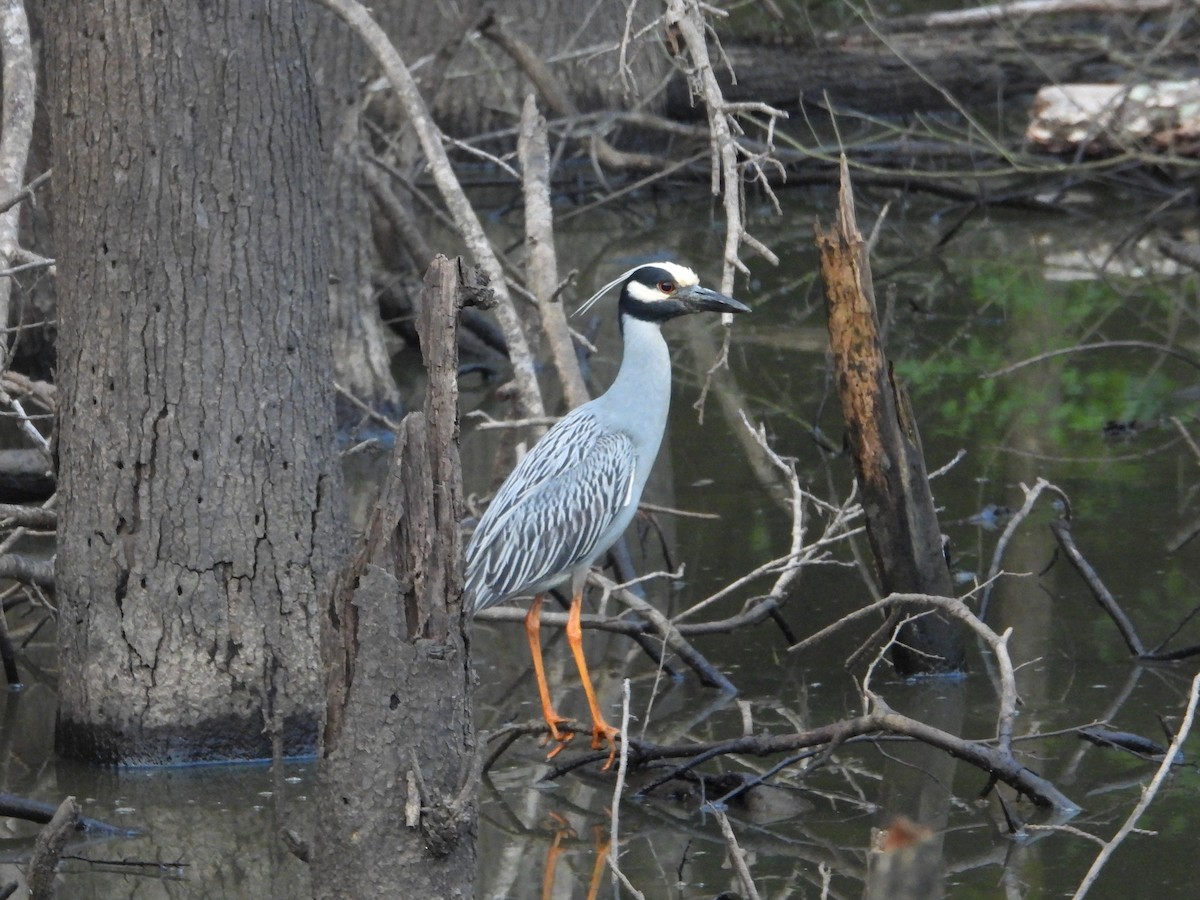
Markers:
{"x": 397, "y": 782}
{"x": 200, "y": 491}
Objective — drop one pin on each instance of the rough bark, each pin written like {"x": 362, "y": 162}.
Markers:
{"x": 397, "y": 774}
{"x": 901, "y": 521}
{"x": 200, "y": 491}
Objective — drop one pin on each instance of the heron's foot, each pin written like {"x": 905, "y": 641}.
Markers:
{"x": 562, "y": 738}
{"x": 602, "y": 732}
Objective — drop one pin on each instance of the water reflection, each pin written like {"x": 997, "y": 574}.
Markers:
{"x": 956, "y": 312}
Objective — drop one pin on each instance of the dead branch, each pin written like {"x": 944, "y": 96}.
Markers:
{"x": 998, "y": 644}
{"x": 559, "y": 102}
{"x": 1101, "y": 345}
{"x": 44, "y": 393}
{"x": 1148, "y": 795}
{"x": 1014, "y": 522}
{"x": 27, "y": 516}
{"x": 1021, "y": 10}
{"x": 27, "y": 569}
{"x": 25, "y": 192}
{"x": 12, "y": 806}
{"x": 465, "y": 219}
{"x": 48, "y": 847}
{"x": 533, "y": 150}
{"x": 881, "y": 722}
{"x": 736, "y": 855}
{"x": 709, "y": 674}
{"x": 726, "y": 179}
{"x": 1062, "y": 531}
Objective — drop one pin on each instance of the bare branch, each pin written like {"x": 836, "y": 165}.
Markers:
{"x": 1148, "y": 794}
{"x": 540, "y": 259}
{"x": 465, "y": 219}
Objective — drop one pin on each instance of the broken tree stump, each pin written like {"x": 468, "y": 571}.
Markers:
{"x": 901, "y": 522}
{"x": 398, "y": 768}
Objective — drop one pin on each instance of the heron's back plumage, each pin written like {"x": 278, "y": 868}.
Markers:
{"x": 551, "y": 515}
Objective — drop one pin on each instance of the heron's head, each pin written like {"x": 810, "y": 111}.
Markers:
{"x": 659, "y": 291}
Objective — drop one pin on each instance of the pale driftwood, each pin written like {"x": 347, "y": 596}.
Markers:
{"x": 1101, "y": 119}
{"x": 524, "y": 375}
{"x": 541, "y": 261}
{"x": 911, "y": 64}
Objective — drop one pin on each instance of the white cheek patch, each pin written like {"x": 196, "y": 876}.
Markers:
{"x": 644, "y": 293}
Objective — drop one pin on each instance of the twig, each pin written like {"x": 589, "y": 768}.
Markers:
{"x": 1148, "y": 795}
{"x": 1102, "y": 345}
{"x": 708, "y": 673}
{"x": 619, "y": 789}
{"x": 1031, "y": 496}
{"x": 1062, "y": 531}
{"x": 556, "y": 98}
{"x": 27, "y": 191}
{"x": 997, "y": 643}
{"x": 726, "y": 178}
{"x": 870, "y": 727}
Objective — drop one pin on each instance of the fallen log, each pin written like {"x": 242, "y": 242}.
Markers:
{"x": 1103, "y": 119}
{"x": 947, "y": 61}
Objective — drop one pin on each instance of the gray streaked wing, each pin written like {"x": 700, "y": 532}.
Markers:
{"x": 552, "y": 511}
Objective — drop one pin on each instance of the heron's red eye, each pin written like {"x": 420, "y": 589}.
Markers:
{"x": 667, "y": 287}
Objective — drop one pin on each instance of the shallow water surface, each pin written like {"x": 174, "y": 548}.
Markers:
{"x": 1007, "y": 287}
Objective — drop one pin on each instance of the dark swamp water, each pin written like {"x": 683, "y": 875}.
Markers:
{"x": 1006, "y": 287}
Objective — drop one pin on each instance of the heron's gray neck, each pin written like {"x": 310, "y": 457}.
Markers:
{"x": 645, "y": 372}
{"x": 639, "y": 398}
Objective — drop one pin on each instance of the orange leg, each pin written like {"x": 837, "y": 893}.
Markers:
{"x": 533, "y": 625}
{"x": 601, "y": 730}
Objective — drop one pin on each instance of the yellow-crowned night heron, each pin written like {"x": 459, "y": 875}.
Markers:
{"x": 575, "y": 492}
